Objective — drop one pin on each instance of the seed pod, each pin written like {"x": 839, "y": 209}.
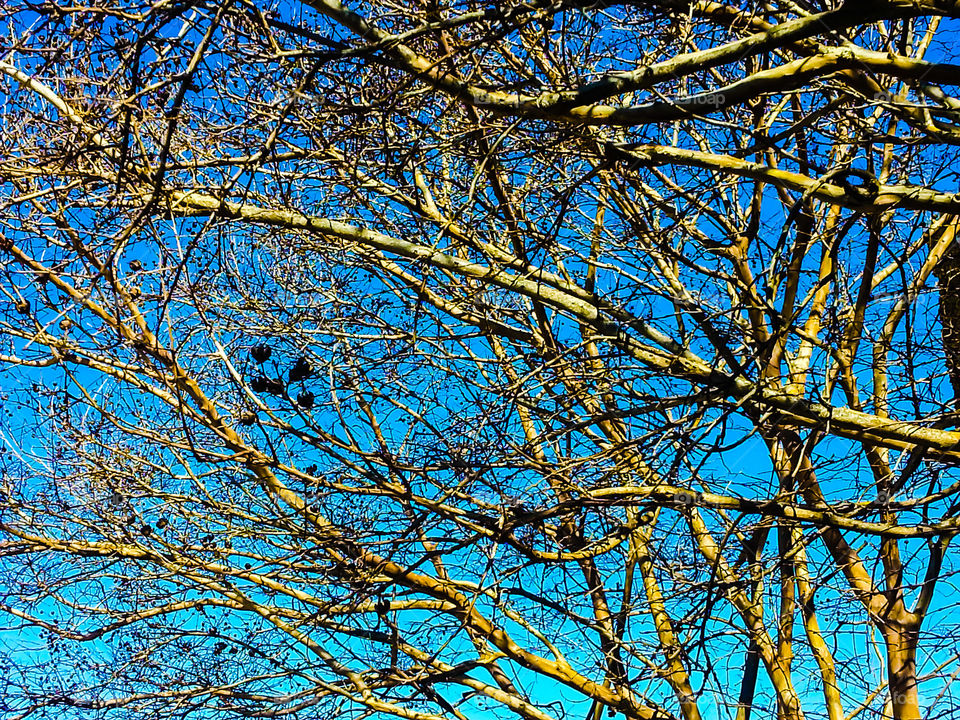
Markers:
{"x": 301, "y": 370}
{"x": 265, "y": 384}
{"x": 275, "y": 387}
{"x": 305, "y": 399}
{"x": 261, "y": 353}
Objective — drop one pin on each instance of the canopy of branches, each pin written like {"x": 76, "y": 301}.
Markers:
{"x": 452, "y": 359}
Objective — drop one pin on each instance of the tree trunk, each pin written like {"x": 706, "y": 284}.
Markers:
{"x": 902, "y": 672}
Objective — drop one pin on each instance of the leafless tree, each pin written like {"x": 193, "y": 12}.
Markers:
{"x": 539, "y": 359}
